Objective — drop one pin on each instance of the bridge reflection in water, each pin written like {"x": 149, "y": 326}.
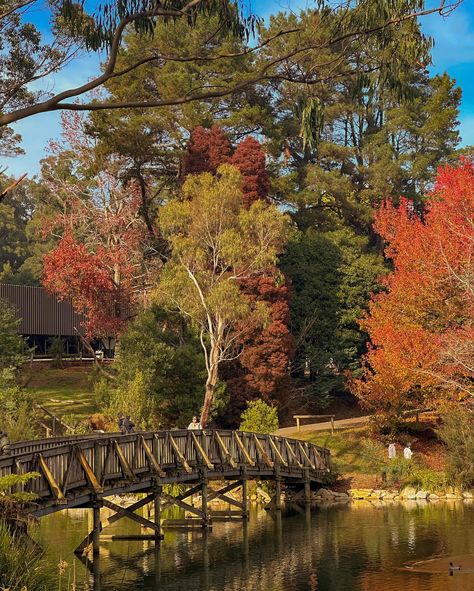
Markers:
{"x": 85, "y": 471}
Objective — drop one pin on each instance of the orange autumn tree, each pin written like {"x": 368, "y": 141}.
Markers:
{"x": 422, "y": 326}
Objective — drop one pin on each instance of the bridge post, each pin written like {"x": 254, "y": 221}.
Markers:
{"x": 245, "y": 502}
{"x": 277, "y": 504}
{"x": 307, "y": 487}
{"x": 157, "y": 506}
{"x": 204, "y": 495}
{"x": 96, "y": 527}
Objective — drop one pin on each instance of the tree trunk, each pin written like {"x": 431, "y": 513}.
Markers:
{"x": 211, "y": 383}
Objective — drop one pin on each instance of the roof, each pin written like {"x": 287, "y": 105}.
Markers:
{"x": 41, "y": 312}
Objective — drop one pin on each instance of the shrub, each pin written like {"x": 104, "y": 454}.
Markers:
{"x": 427, "y": 479}
{"x": 259, "y": 417}
{"x": 21, "y": 566}
{"x": 16, "y": 408}
{"x": 457, "y": 432}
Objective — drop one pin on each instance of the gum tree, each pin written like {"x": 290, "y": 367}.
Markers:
{"x": 216, "y": 244}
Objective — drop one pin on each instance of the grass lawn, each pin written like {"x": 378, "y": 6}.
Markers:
{"x": 66, "y": 392}
{"x": 346, "y": 447}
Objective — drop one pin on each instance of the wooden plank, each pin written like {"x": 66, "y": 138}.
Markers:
{"x": 303, "y": 451}
{"x": 201, "y": 451}
{"x": 133, "y": 516}
{"x": 275, "y": 448}
{"x": 262, "y": 451}
{"x": 126, "y": 468}
{"x": 223, "y": 449}
{"x": 179, "y": 455}
{"x": 176, "y": 501}
{"x": 53, "y": 485}
{"x": 292, "y": 454}
{"x": 131, "y": 508}
{"x": 90, "y": 476}
{"x": 242, "y": 448}
{"x": 155, "y": 467}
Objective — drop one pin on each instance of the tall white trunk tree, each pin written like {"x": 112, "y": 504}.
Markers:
{"x": 215, "y": 244}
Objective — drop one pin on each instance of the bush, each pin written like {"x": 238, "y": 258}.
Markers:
{"x": 22, "y": 568}
{"x": 259, "y": 417}
{"x": 160, "y": 372}
{"x": 457, "y": 432}
{"x": 16, "y": 408}
{"x": 427, "y": 479}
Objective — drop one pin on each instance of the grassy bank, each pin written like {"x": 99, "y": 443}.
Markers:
{"x": 351, "y": 452}
{"x": 66, "y": 392}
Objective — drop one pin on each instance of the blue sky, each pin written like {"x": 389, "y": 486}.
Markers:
{"x": 453, "y": 53}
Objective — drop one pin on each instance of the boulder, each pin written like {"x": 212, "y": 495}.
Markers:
{"x": 422, "y": 494}
{"x": 468, "y": 494}
{"x": 408, "y": 493}
{"x": 361, "y": 493}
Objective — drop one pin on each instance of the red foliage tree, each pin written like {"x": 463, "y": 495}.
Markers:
{"x": 207, "y": 149}
{"x": 422, "y": 327}
{"x": 249, "y": 158}
{"x": 98, "y": 262}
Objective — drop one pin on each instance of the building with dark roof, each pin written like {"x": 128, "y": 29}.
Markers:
{"x": 43, "y": 317}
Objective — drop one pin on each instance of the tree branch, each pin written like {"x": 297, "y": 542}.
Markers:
{"x": 56, "y": 102}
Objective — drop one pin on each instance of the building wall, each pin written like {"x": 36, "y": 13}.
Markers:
{"x": 41, "y": 312}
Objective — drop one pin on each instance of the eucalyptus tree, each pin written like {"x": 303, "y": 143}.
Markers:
{"x": 216, "y": 244}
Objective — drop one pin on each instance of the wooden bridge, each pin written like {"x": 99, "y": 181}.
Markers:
{"x": 82, "y": 471}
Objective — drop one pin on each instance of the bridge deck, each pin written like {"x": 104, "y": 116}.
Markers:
{"x": 75, "y": 471}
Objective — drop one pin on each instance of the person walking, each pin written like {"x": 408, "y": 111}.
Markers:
{"x": 120, "y": 423}
{"x": 128, "y": 425}
{"x": 194, "y": 424}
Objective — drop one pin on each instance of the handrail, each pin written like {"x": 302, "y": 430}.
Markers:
{"x": 108, "y": 463}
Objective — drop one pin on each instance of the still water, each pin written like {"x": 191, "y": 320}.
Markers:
{"x": 350, "y": 548}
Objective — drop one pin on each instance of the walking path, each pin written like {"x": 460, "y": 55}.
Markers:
{"x": 338, "y": 424}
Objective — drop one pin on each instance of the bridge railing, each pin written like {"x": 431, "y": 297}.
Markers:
{"x": 98, "y": 463}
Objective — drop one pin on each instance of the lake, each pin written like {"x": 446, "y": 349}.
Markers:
{"x": 359, "y": 547}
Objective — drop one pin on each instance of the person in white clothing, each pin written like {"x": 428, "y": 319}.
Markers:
{"x": 407, "y": 453}
{"x": 194, "y": 424}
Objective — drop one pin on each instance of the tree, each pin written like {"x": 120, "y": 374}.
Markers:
{"x": 207, "y": 149}
{"x": 73, "y": 28}
{"x": 259, "y": 417}
{"x": 332, "y": 276}
{"x": 216, "y": 243}
{"x": 160, "y": 358}
{"x": 421, "y": 327}
{"x": 377, "y": 139}
{"x": 99, "y": 260}
{"x": 249, "y": 158}
{"x": 12, "y": 345}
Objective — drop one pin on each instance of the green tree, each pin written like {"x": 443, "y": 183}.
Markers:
{"x": 259, "y": 417}
{"x": 332, "y": 276}
{"x": 216, "y": 243}
{"x": 26, "y": 57}
{"x": 378, "y": 137}
{"x": 160, "y": 371}
{"x": 12, "y": 346}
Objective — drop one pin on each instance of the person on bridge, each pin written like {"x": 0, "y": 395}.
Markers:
{"x": 128, "y": 425}
{"x": 120, "y": 424}
{"x": 194, "y": 424}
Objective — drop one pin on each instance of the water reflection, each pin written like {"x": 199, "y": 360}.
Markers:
{"x": 360, "y": 548}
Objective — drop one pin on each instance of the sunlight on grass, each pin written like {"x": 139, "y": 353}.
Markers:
{"x": 64, "y": 392}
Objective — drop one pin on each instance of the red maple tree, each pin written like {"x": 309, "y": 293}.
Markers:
{"x": 422, "y": 326}
{"x": 98, "y": 262}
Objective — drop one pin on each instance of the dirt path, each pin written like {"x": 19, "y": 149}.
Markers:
{"x": 338, "y": 424}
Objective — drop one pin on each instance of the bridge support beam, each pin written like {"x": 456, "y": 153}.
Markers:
{"x": 97, "y": 526}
